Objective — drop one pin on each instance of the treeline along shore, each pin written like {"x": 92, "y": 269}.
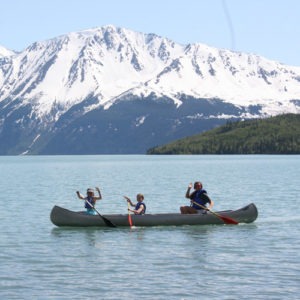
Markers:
{"x": 274, "y": 135}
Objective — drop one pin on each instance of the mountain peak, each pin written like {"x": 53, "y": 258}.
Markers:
{"x": 6, "y": 52}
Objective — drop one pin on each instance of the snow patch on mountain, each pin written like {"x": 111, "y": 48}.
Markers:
{"x": 110, "y": 63}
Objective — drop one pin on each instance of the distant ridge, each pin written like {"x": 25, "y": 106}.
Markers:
{"x": 275, "y": 135}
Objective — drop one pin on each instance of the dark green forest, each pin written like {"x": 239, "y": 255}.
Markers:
{"x": 275, "y": 135}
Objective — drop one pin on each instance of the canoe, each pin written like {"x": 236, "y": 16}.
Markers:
{"x": 63, "y": 217}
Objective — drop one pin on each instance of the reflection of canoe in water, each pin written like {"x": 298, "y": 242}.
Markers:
{"x": 64, "y": 217}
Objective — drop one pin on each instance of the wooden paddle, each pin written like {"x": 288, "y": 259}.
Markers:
{"x": 107, "y": 222}
{"x": 225, "y": 219}
{"x": 129, "y": 215}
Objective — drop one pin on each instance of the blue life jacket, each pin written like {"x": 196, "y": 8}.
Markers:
{"x": 91, "y": 200}
{"x": 199, "y": 197}
{"x": 138, "y": 206}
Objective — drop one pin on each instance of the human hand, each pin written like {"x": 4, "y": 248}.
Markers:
{"x": 190, "y": 186}
{"x": 97, "y": 189}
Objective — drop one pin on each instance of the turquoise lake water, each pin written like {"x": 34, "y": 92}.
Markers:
{"x": 249, "y": 261}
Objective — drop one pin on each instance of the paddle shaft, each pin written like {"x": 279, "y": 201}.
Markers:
{"x": 106, "y": 221}
{"x": 226, "y": 220}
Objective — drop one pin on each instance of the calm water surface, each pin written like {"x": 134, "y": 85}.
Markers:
{"x": 253, "y": 261}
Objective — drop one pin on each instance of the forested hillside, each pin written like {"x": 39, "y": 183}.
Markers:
{"x": 275, "y": 135}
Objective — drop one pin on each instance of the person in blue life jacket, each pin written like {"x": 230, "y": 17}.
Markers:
{"x": 90, "y": 200}
{"x": 139, "y": 207}
{"x": 199, "y": 200}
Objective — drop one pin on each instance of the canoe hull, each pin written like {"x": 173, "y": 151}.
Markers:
{"x": 63, "y": 217}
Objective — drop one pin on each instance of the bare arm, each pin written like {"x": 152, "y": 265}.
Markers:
{"x": 79, "y": 196}
{"x": 138, "y": 211}
{"x": 211, "y": 203}
{"x": 187, "y": 194}
{"x": 100, "y": 196}
{"x": 128, "y": 200}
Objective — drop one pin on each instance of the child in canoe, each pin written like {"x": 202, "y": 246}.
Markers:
{"x": 90, "y": 200}
{"x": 139, "y": 207}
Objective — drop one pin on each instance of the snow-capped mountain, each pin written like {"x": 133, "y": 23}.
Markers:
{"x": 111, "y": 83}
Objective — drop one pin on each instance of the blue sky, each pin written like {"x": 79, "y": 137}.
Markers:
{"x": 266, "y": 27}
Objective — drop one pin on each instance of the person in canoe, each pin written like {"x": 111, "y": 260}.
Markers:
{"x": 139, "y": 207}
{"x": 199, "y": 200}
{"x": 90, "y": 200}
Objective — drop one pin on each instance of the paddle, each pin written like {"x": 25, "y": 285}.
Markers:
{"x": 129, "y": 215}
{"x": 107, "y": 222}
{"x": 225, "y": 219}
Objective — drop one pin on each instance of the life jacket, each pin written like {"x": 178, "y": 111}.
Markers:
{"x": 91, "y": 200}
{"x": 199, "y": 197}
{"x": 138, "y": 205}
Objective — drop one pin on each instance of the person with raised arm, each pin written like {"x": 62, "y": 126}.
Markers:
{"x": 199, "y": 200}
{"x": 90, "y": 200}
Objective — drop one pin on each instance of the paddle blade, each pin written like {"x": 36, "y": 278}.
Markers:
{"x": 107, "y": 222}
{"x": 130, "y": 220}
{"x": 129, "y": 216}
{"x": 228, "y": 220}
